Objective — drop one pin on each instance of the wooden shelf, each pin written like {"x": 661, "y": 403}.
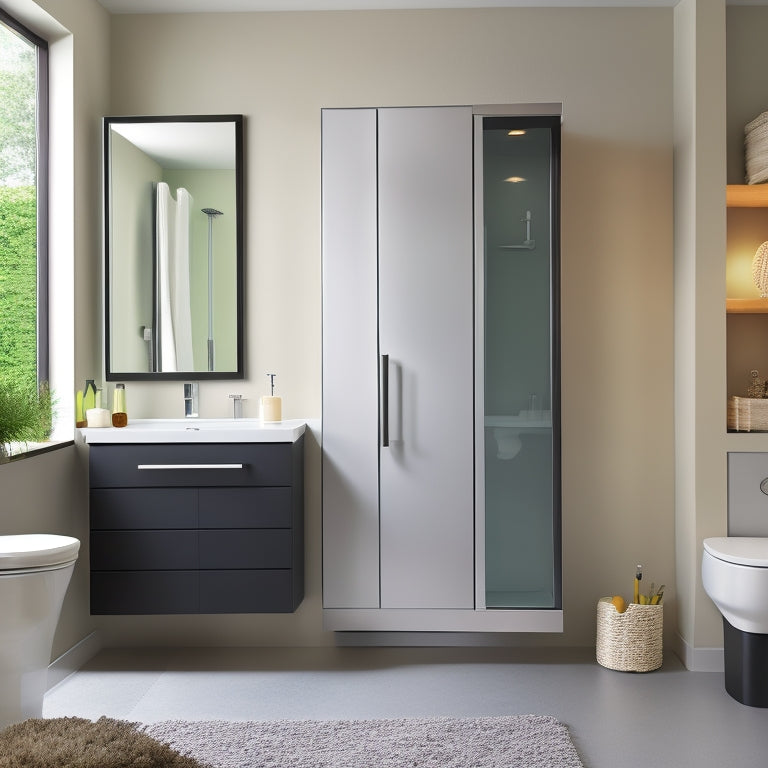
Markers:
{"x": 746, "y": 195}
{"x": 746, "y": 306}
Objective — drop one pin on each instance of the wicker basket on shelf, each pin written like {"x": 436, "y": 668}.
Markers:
{"x": 756, "y": 149}
{"x": 631, "y": 641}
{"x": 747, "y": 414}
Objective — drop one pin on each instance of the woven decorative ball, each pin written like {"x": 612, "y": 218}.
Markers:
{"x": 631, "y": 641}
{"x": 760, "y": 269}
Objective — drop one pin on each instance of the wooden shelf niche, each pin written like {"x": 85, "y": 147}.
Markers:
{"x": 746, "y": 195}
{"x": 746, "y": 306}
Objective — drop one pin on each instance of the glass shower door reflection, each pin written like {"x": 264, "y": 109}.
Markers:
{"x": 520, "y": 391}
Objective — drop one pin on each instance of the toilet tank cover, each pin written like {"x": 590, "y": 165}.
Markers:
{"x": 35, "y": 550}
{"x": 744, "y": 550}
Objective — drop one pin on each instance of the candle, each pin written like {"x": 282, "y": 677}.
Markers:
{"x": 98, "y": 417}
{"x": 271, "y": 408}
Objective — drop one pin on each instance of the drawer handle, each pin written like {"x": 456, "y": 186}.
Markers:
{"x": 189, "y": 466}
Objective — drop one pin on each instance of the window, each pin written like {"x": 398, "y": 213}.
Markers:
{"x": 23, "y": 234}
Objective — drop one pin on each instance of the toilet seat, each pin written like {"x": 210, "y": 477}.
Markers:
{"x": 36, "y": 550}
{"x": 742, "y": 550}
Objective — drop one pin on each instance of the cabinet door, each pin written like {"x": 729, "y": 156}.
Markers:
{"x": 350, "y": 372}
{"x": 426, "y": 328}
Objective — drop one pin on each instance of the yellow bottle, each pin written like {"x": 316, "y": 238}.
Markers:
{"x": 119, "y": 413}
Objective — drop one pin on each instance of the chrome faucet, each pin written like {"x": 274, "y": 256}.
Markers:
{"x": 237, "y": 405}
{"x": 191, "y": 397}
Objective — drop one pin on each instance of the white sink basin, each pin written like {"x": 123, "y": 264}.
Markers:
{"x": 198, "y": 431}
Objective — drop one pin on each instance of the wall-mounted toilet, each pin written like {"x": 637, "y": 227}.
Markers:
{"x": 734, "y": 572}
{"x": 35, "y": 570}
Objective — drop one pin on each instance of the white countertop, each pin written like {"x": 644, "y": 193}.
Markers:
{"x": 197, "y": 431}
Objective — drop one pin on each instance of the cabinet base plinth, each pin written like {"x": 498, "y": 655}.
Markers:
{"x": 441, "y": 620}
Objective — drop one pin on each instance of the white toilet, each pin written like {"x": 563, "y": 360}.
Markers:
{"x": 35, "y": 570}
{"x": 734, "y": 572}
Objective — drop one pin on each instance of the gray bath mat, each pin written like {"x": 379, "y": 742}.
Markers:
{"x": 525, "y": 741}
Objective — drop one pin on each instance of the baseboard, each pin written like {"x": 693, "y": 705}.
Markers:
{"x": 70, "y": 661}
{"x": 699, "y": 659}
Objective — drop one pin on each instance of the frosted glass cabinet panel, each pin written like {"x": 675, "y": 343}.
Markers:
{"x": 518, "y": 466}
{"x": 440, "y": 446}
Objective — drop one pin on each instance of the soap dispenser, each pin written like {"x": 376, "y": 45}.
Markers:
{"x": 271, "y": 406}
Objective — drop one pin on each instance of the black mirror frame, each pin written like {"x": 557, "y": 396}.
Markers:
{"x": 239, "y": 373}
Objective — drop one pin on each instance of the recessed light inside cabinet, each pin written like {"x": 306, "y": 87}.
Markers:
{"x": 515, "y": 179}
{"x": 516, "y": 132}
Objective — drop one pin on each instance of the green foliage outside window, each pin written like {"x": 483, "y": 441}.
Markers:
{"x": 18, "y": 284}
{"x": 18, "y": 110}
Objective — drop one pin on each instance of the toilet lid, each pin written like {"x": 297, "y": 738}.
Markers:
{"x": 744, "y": 550}
{"x": 33, "y": 550}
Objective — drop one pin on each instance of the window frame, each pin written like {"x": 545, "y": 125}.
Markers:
{"x": 42, "y": 189}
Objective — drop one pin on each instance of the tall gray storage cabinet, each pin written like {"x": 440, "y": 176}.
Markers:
{"x": 400, "y": 540}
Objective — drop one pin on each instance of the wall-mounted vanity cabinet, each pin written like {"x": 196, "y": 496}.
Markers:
{"x": 196, "y": 527}
{"x": 441, "y": 489}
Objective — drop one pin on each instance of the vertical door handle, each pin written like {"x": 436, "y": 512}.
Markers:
{"x": 385, "y": 401}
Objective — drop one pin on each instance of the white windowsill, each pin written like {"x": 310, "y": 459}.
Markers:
{"x": 25, "y": 450}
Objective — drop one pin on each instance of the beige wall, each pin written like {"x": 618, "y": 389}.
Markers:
{"x": 612, "y": 69}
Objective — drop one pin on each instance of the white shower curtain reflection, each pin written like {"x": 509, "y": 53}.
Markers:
{"x": 174, "y": 320}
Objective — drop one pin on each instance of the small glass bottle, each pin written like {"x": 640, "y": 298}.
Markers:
{"x": 89, "y": 395}
{"x": 119, "y": 414}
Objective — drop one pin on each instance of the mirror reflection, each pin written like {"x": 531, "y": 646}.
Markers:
{"x": 173, "y": 194}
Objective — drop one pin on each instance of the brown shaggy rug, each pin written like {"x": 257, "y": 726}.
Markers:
{"x": 72, "y": 742}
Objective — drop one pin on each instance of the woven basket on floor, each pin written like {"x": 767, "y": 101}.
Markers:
{"x": 630, "y": 641}
{"x": 748, "y": 414}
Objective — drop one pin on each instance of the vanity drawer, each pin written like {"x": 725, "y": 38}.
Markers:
{"x": 245, "y": 508}
{"x": 152, "y": 508}
{"x": 270, "y": 548}
{"x": 174, "y": 550}
{"x": 144, "y": 550}
{"x": 197, "y": 465}
{"x": 267, "y": 591}
{"x": 145, "y": 592}
{"x": 224, "y": 591}
{"x": 144, "y": 508}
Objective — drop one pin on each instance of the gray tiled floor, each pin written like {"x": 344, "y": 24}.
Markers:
{"x": 670, "y": 717}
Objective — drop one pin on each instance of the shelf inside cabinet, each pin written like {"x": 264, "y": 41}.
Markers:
{"x": 746, "y": 195}
{"x": 746, "y": 306}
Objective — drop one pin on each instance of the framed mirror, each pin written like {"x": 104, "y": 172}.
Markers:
{"x": 173, "y": 234}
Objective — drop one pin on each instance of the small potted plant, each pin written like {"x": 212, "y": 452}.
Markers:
{"x": 26, "y": 415}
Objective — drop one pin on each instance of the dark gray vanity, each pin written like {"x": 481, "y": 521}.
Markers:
{"x": 196, "y": 526}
